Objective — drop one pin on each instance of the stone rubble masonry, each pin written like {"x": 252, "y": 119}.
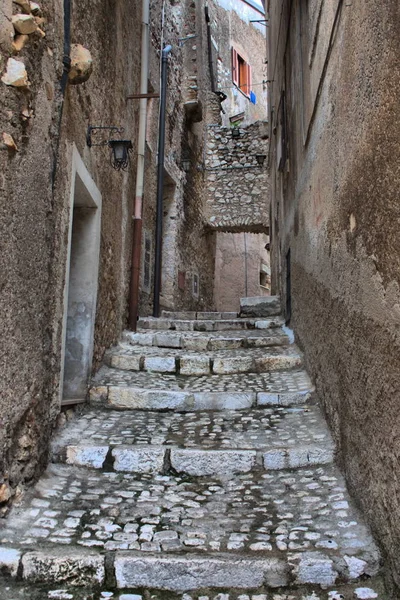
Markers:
{"x": 237, "y": 187}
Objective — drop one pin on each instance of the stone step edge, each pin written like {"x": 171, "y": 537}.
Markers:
{"x": 180, "y": 340}
{"x": 131, "y": 398}
{"x": 198, "y": 315}
{"x": 195, "y": 462}
{"x": 180, "y": 573}
{"x": 197, "y": 365}
{"x": 238, "y": 324}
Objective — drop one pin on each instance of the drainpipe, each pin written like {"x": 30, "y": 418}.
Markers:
{"x": 160, "y": 182}
{"x": 209, "y": 48}
{"x": 63, "y": 84}
{"x": 137, "y": 216}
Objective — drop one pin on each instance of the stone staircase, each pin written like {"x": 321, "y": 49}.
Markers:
{"x": 202, "y": 469}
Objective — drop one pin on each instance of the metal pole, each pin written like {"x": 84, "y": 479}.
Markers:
{"x": 160, "y": 182}
{"x": 137, "y": 216}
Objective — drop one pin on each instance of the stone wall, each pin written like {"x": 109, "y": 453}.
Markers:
{"x": 240, "y": 259}
{"x": 35, "y": 213}
{"x": 237, "y": 186}
{"x": 336, "y": 208}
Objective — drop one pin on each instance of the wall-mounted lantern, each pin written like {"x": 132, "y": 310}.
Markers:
{"x": 236, "y": 133}
{"x": 120, "y": 149}
{"x": 260, "y": 158}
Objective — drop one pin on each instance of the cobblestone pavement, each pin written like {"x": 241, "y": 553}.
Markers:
{"x": 280, "y": 381}
{"x": 275, "y": 427}
{"x": 204, "y": 487}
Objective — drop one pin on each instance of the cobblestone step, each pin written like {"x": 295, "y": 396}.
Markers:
{"x": 117, "y": 388}
{"x": 245, "y": 531}
{"x": 198, "y": 444}
{"x": 239, "y": 323}
{"x": 168, "y": 360}
{"x": 374, "y": 591}
{"x": 207, "y": 341}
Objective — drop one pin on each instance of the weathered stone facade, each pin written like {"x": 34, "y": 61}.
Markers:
{"x": 64, "y": 209}
{"x": 335, "y": 179}
{"x": 237, "y": 185}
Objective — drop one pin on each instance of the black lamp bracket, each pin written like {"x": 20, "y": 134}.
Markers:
{"x": 93, "y": 130}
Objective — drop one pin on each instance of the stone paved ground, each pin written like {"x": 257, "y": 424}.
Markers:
{"x": 205, "y": 487}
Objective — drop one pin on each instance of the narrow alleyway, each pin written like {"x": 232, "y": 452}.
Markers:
{"x": 203, "y": 469}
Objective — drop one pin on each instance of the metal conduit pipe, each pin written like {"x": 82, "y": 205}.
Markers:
{"x": 160, "y": 182}
{"x": 137, "y": 216}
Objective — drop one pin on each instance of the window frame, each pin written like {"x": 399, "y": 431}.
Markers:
{"x": 241, "y": 69}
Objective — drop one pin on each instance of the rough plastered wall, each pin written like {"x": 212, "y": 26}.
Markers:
{"x": 336, "y": 206}
{"x": 34, "y": 218}
{"x": 232, "y": 28}
{"x": 237, "y": 186}
{"x": 188, "y": 248}
{"x": 240, "y": 258}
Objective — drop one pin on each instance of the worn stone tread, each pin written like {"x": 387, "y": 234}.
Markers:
{"x": 241, "y": 360}
{"x": 163, "y": 324}
{"x": 216, "y": 340}
{"x": 303, "y": 518}
{"x": 277, "y": 382}
{"x": 281, "y": 437}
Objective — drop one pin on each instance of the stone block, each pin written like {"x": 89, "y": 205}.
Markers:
{"x": 61, "y": 565}
{"x": 9, "y": 561}
{"x": 142, "y": 339}
{"x": 203, "y": 326}
{"x": 277, "y": 363}
{"x": 197, "y": 344}
{"x": 363, "y": 593}
{"x": 266, "y": 324}
{"x": 260, "y": 306}
{"x": 130, "y": 459}
{"x": 98, "y": 393}
{"x": 223, "y": 400}
{"x": 167, "y": 340}
{"x": 208, "y": 316}
{"x": 262, "y": 342}
{"x": 87, "y": 456}
{"x": 224, "y": 366}
{"x": 230, "y": 325}
{"x": 312, "y": 454}
{"x": 286, "y": 399}
{"x": 212, "y": 462}
{"x": 184, "y": 325}
{"x": 195, "y": 365}
{"x": 229, "y": 315}
{"x": 150, "y": 323}
{"x": 227, "y": 343}
{"x": 313, "y": 567}
{"x": 160, "y": 364}
{"x": 190, "y": 572}
{"x": 294, "y": 458}
{"x": 127, "y": 363}
{"x": 138, "y": 398}
{"x": 182, "y": 315}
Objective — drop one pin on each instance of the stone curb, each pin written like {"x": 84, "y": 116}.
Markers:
{"x": 181, "y": 325}
{"x": 192, "y": 461}
{"x": 179, "y": 573}
{"x": 193, "y": 365}
{"x": 125, "y": 397}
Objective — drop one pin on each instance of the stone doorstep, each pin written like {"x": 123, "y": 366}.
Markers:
{"x": 180, "y": 573}
{"x": 204, "y": 365}
{"x": 194, "y": 461}
{"x": 124, "y": 397}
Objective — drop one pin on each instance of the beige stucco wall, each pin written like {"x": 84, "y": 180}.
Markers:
{"x": 336, "y": 207}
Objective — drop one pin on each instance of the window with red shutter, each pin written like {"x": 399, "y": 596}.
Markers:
{"x": 241, "y": 73}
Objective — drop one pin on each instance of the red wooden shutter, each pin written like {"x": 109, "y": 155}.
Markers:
{"x": 248, "y": 80}
{"x": 235, "y": 67}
